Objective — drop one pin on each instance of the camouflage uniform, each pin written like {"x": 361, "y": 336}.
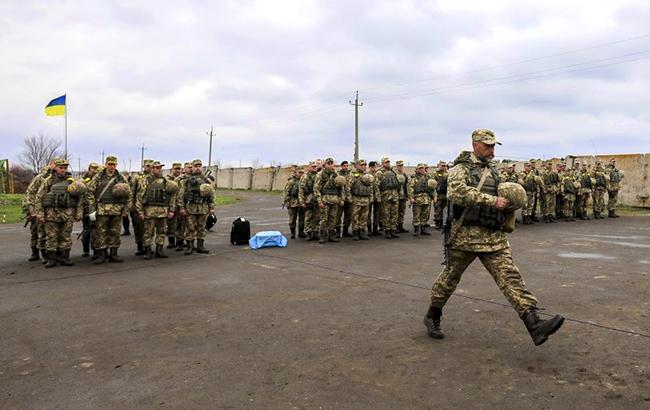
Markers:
{"x": 362, "y": 197}
{"x": 308, "y": 202}
{"x": 441, "y": 196}
{"x": 600, "y": 187}
{"x": 36, "y": 228}
{"x": 613, "y": 186}
{"x": 374, "y": 210}
{"x": 548, "y": 196}
{"x": 569, "y": 192}
{"x": 196, "y": 207}
{"x": 388, "y": 186}
{"x": 329, "y": 197}
{"x": 345, "y": 211}
{"x": 88, "y": 225}
{"x": 138, "y": 225}
{"x": 181, "y": 220}
{"x": 403, "y": 197}
{"x": 420, "y": 196}
{"x": 586, "y": 184}
{"x": 172, "y": 223}
{"x": 292, "y": 203}
{"x": 528, "y": 178}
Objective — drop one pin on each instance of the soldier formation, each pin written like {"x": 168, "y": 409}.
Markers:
{"x": 174, "y": 207}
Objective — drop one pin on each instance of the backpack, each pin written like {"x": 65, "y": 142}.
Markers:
{"x": 240, "y": 232}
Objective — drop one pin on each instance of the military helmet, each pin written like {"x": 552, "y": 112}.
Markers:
{"x": 401, "y": 178}
{"x": 432, "y": 183}
{"x": 172, "y": 187}
{"x": 340, "y": 181}
{"x": 121, "y": 190}
{"x": 206, "y": 190}
{"x": 77, "y": 188}
{"x": 514, "y": 193}
{"x": 367, "y": 179}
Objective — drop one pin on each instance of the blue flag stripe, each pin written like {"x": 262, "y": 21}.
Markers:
{"x": 57, "y": 101}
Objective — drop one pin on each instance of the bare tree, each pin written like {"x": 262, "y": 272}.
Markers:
{"x": 39, "y": 151}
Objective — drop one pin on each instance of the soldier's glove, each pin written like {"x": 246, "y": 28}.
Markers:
{"x": 92, "y": 216}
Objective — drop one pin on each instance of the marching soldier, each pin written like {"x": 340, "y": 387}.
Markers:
{"x": 36, "y": 228}
{"x": 138, "y": 225}
{"x": 361, "y": 190}
{"x": 615, "y": 177}
{"x": 87, "y": 224}
{"x": 600, "y": 187}
{"x": 586, "y": 187}
{"x": 441, "y": 194}
{"x": 329, "y": 194}
{"x": 552, "y": 184}
{"x": 109, "y": 201}
{"x": 421, "y": 191}
{"x": 155, "y": 203}
{"x": 57, "y": 207}
{"x": 308, "y": 202}
{"x": 172, "y": 223}
{"x": 374, "y": 211}
{"x": 292, "y": 203}
{"x": 345, "y": 211}
{"x": 403, "y": 195}
{"x": 196, "y": 201}
{"x": 388, "y": 185}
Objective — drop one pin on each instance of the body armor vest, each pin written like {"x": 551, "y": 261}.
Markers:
{"x": 422, "y": 185}
{"x": 293, "y": 192}
{"x": 156, "y": 193}
{"x": 529, "y": 182}
{"x": 600, "y": 180}
{"x": 552, "y": 178}
{"x": 388, "y": 181}
{"x": 441, "y": 179}
{"x": 614, "y": 176}
{"x": 309, "y": 186}
{"x": 329, "y": 188}
{"x": 58, "y": 196}
{"x": 193, "y": 189}
{"x": 359, "y": 188}
{"x": 569, "y": 188}
{"x": 107, "y": 197}
{"x": 585, "y": 180}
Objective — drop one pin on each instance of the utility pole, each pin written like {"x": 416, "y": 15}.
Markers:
{"x": 79, "y": 164}
{"x": 356, "y": 104}
{"x": 142, "y": 157}
{"x": 102, "y": 156}
{"x": 210, "y": 151}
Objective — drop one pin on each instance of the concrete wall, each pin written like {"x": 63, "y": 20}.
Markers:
{"x": 242, "y": 178}
{"x": 263, "y": 179}
{"x": 280, "y": 178}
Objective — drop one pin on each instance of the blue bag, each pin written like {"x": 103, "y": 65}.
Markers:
{"x": 267, "y": 239}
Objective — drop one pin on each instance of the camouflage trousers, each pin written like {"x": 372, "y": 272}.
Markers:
{"x": 297, "y": 216}
{"x": 58, "y": 235}
{"x": 568, "y": 205}
{"x": 107, "y": 231}
{"x": 181, "y": 226}
{"x": 360, "y": 215}
{"x": 195, "y": 226}
{"x": 421, "y": 214}
{"x": 613, "y": 200}
{"x": 155, "y": 227}
{"x": 499, "y": 264}
{"x": 439, "y": 207}
{"x": 138, "y": 227}
{"x": 547, "y": 203}
{"x": 559, "y": 204}
{"x": 312, "y": 218}
{"x": 172, "y": 225}
{"x": 584, "y": 201}
{"x": 37, "y": 232}
{"x": 389, "y": 214}
{"x": 87, "y": 233}
{"x": 527, "y": 209}
{"x": 576, "y": 204}
{"x": 328, "y": 215}
{"x": 374, "y": 214}
{"x": 344, "y": 212}
{"x": 401, "y": 211}
{"x": 599, "y": 201}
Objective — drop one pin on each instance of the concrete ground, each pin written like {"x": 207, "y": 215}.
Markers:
{"x": 333, "y": 326}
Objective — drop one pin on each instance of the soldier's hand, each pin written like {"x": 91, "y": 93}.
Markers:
{"x": 321, "y": 205}
{"x": 211, "y": 210}
{"x": 141, "y": 216}
{"x": 341, "y": 203}
{"x": 170, "y": 214}
{"x": 502, "y": 203}
{"x": 182, "y": 211}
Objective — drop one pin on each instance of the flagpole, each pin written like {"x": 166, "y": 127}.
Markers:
{"x": 66, "y": 127}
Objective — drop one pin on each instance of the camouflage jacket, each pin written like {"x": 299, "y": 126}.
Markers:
{"x": 154, "y": 211}
{"x": 347, "y": 195}
{"x": 600, "y": 179}
{"x": 323, "y": 184}
{"x": 424, "y": 194}
{"x": 388, "y": 194}
{"x": 551, "y": 180}
{"x": 103, "y": 208}
{"x": 192, "y": 208}
{"x": 355, "y": 178}
{"x": 441, "y": 179}
{"x": 614, "y": 178}
{"x": 404, "y": 188}
{"x": 56, "y": 214}
{"x": 29, "y": 200}
{"x": 307, "y": 198}
{"x": 292, "y": 192}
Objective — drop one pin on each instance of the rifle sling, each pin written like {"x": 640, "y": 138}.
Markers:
{"x": 453, "y": 232}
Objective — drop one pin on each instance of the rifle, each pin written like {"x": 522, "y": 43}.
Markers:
{"x": 27, "y": 219}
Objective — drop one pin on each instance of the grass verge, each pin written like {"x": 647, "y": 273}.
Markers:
{"x": 10, "y": 208}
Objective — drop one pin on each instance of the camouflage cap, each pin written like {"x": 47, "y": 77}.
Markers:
{"x": 197, "y": 162}
{"x": 147, "y": 161}
{"x": 93, "y": 165}
{"x": 399, "y": 162}
{"x": 422, "y": 165}
{"x": 441, "y": 163}
{"x": 59, "y": 162}
{"x": 485, "y": 136}
{"x": 187, "y": 164}
{"x": 111, "y": 159}
{"x": 329, "y": 159}
{"x": 156, "y": 164}
{"x": 176, "y": 165}
{"x": 385, "y": 159}
{"x": 312, "y": 163}
{"x": 361, "y": 162}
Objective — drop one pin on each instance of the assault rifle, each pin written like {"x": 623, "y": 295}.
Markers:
{"x": 446, "y": 232}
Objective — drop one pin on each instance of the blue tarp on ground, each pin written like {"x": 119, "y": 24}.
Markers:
{"x": 267, "y": 239}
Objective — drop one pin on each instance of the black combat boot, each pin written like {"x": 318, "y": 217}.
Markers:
{"x": 293, "y": 232}
{"x": 423, "y": 231}
{"x": 112, "y": 256}
{"x": 179, "y": 245}
{"x": 311, "y": 237}
{"x": 333, "y": 237}
{"x": 148, "y": 253}
{"x": 416, "y": 231}
{"x": 190, "y": 248}
{"x": 50, "y": 258}
{"x": 323, "y": 237}
{"x": 346, "y": 233}
{"x": 94, "y": 256}
{"x": 140, "y": 250}
{"x": 301, "y": 233}
{"x": 552, "y": 218}
{"x": 363, "y": 235}
{"x": 199, "y": 246}
{"x": 160, "y": 253}
{"x": 432, "y": 322}
{"x": 393, "y": 234}
{"x": 35, "y": 255}
{"x": 534, "y": 218}
{"x": 101, "y": 256}
{"x": 172, "y": 242}
{"x": 540, "y": 329}
{"x": 86, "y": 249}
{"x": 65, "y": 258}
{"x": 356, "y": 233}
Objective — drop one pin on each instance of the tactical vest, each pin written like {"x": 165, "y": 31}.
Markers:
{"x": 58, "y": 196}
{"x": 404, "y": 187}
{"x": 309, "y": 186}
{"x": 482, "y": 215}
{"x": 156, "y": 193}
{"x": 614, "y": 175}
{"x": 107, "y": 197}
{"x": 329, "y": 188}
{"x": 359, "y": 188}
{"x": 441, "y": 179}
{"x": 585, "y": 180}
{"x": 422, "y": 185}
{"x": 193, "y": 189}
{"x": 569, "y": 188}
{"x": 601, "y": 182}
{"x": 293, "y": 192}
{"x": 551, "y": 178}
{"x": 388, "y": 181}
{"x": 529, "y": 183}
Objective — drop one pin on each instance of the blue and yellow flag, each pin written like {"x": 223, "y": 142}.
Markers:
{"x": 56, "y": 107}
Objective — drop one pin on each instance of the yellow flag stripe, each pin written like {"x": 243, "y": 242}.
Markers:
{"x": 55, "y": 110}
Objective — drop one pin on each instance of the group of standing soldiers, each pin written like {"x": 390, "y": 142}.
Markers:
{"x": 175, "y": 206}
{"x": 324, "y": 203}
{"x": 565, "y": 192}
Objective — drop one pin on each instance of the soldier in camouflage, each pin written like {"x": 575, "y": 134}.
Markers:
{"x": 155, "y": 203}
{"x": 344, "y": 216}
{"x": 88, "y": 226}
{"x": 57, "y": 209}
{"x": 108, "y": 210}
{"x": 478, "y": 221}
{"x": 361, "y": 191}
{"x": 292, "y": 203}
{"x": 181, "y": 220}
{"x": 374, "y": 211}
{"x": 172, "y": 223}
{"x": 308, "y": 202}
{"x": 388, "y": 185}
{"x": 528, "y": 178}
{"x": 403, "y": 196}
{"x": 569, "y": 192}
{"x": 600, "y": 187}
{"x": 36, "y": 228}
{"x": 559, "y": 198}
{"x": 586, "y": 188}
{"x": 548, "y": 195}
{"x": 195, "y": 204}
{"x": 420, "y": 195}
{"x": 329, "y": 197}
{"x": 613, "y": 186}
{"x": 441, "y": 194}
{"x": 138, "y": 225}
{"x": 575, "y": 171}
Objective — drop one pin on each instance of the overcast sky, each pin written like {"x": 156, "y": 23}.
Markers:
{"x": 274, "y": 77}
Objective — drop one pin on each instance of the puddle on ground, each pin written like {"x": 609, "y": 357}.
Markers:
{"x": 577, "y": 255}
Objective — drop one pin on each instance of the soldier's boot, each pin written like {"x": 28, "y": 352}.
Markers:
{"x": 387, "y": 234}
{"x": 323, "y": 237}
{"x": 615, "y": 214}
{"x": 333, "y": 236}
{"x": 101, "y": 256}
{"x": 44, "y": 256}
{"x": 401, "y": 229}
{"x": 432, "y": 322}
{"x": 35, "y": 255}
{"x": 337, "y": 232}
{"x": 539, "y": 329}
{"x": 552, "y": 218}
{"x": 51, "y": 259}
{"x": 190, "y": 248}
{"x": 416, "y": 231}
{"x": 172, "y": 242}
{"x": 179, "y": 245}
{"x": 363, "y": 235}
{"x": 301, "y": 233}
{"x": 199, "y": 246}
{"x": 148, "y": 254}
{"x": 140, "y": 250}
{"x": 94, "y": 256}
{"x": 534, "y": 218}
{"x": 311, "y": 237}
{"x": 65, "y": 258}
{"x": 356, "y": 234}
{"x": 112, "y": 256}
{"x": 393, "y": 234}
{"x": 424, "y": 231}
{"x": 160, "y": 253}
{"x": 346, "y": 233}
{"x": 545, "y": 219}
{"x": 585, "y": 216}
{"x": 293, "y": 232}
{"x": 437, "y": 223}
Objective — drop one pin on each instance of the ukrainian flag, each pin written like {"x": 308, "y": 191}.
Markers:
{"x": 56, "y": 107}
